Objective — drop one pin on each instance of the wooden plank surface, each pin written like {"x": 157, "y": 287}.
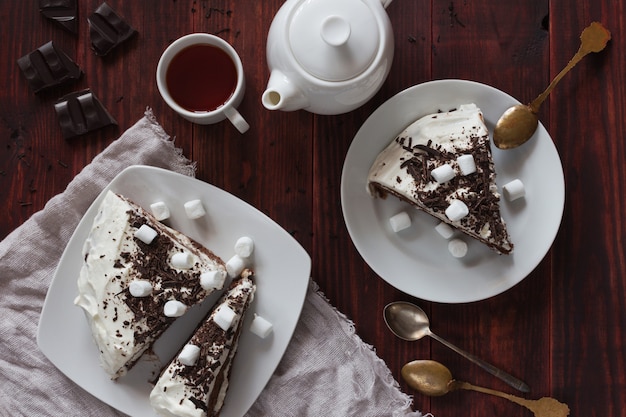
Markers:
{"x": 561, "y": 329}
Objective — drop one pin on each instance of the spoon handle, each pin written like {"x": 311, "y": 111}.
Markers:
{"x": 467, "y": 386}
{"x": 471, "y": 387}
{"x": 536, "y": 103}
{"x": 593, "y": 39}
{"x": 498, "y": 373}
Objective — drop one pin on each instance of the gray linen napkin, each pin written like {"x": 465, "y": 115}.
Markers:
{"x": 343, "y": 378}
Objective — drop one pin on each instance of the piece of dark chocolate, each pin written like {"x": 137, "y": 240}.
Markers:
{"x": 81, "y": 112}
{"x": 107, "y": 30}
{"x": 62, "y": 12}
{"x": 48, "y": 66}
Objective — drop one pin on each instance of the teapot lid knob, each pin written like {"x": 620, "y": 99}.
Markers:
{"x": 335, "y": 30}
{"x": 335, "y": 40}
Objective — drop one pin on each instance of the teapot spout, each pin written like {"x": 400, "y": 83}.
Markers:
{"x": 282, "y": 94}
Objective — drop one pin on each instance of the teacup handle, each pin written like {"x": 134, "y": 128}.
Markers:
{"x": 236, "y": 119}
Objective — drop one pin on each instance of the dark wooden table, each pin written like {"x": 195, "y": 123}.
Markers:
{"x": 562, "y": 329}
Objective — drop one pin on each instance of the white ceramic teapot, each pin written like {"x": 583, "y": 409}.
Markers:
{"x": 327, "y": 56}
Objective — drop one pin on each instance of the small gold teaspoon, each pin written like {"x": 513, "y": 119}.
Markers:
{"x": 519, "y": 122}
{"x": 434, "y": 379}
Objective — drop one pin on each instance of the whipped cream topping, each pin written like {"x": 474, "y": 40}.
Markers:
{"x": 124, "y": 326}
{"x": 405, "y": 169}
{"x": 450, "y": 132}
{"x": 199, "y": 390}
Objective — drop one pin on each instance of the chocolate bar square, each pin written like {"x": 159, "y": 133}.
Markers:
{"x": 81, "y": 112}
{"x": 62, "y": 12}
{"x": 48, "y": 66}
{"x": 107, "y": 30}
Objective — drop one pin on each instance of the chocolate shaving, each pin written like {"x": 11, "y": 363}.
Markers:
{"x": 428, "y": 150}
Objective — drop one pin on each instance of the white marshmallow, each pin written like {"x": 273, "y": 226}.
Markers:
{"x": 174, "y": 308}
{"x": 189, "y": 355}
{"x": 140, "y": 288}
{"x": 458, "y": 248}
{"x": 194, "y": 209}
{"x": 445, "y": 230}
{"x": 466, "y": 163}
{"x": 212, "y": 280}
{"x": 235, "y": 266}
{"x": 224, "y": 317}
{"x": 442, "y": 174}
{"x": 456, "y": 210}
{"x": 514, "y": 190}
{"x": 261, "y": 327}
{"x": 244, "y": 246}
{"x": 182, "y": 260}
{"x": 400, "y": 221}
{"x": 160, "y": 210}
{"x": 146, "y": 234}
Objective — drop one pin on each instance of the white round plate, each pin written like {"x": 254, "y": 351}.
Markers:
{"x": 417, "y": 260}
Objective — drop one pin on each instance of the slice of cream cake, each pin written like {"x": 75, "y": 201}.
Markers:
{"x": 442, "y": 164}
{"x": 137, "y": 277}
{"x": 195, "y": 382}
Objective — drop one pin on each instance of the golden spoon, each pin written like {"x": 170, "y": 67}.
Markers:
{"x": 519, "y": 122}
{"x": 434, "y": 379}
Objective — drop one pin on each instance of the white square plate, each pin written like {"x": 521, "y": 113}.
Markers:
{"x": 282, "y": 268}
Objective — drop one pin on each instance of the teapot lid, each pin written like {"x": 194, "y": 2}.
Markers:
{"x": 334, "y": 40}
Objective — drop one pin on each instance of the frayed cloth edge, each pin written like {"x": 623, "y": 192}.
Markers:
{"x": 186, "y": 166}
{"x": 380, "y": 367}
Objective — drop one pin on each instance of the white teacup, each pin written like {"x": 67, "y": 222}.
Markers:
{"x": 200, "y": 76}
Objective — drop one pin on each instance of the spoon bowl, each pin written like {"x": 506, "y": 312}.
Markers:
{"x": 427, "y": 377}
{"x": 434, "y": 379}
{"x": 409, "y": 322}
{"x": 518, "y": 124}
{"x": 515, "y": 127}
